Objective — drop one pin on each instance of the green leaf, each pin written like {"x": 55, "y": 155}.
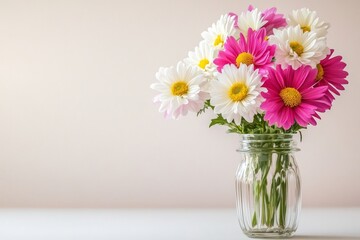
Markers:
{"x": 207, "y": 105}
{"x": 219, "y": 120}
{"x": 258, "y": 126}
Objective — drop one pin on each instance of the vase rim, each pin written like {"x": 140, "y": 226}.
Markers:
{"x": 268, "y": 142}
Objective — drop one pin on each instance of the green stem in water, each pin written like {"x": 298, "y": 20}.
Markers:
{"x": 275, "y": 205}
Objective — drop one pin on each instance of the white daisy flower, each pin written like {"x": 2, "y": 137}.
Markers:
{"x": 236, "y": 94}
{"x": 250, "y": 19}
{"x": 180, "y": 90}
{"x": 203, "y": 59}
{"x": 308, "y": 21}
{"x": 217, "y": 34}
{"x": 295, "y": 47}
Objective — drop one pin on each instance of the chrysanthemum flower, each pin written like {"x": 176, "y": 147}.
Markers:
{"x": 291, "y": 97}
{"x": 273, "y": 20}
{"x": 180, "y": 90}
{"x": 308, "y": 21}
{"x": 330, "y": 73}
{"x": 203, "y": 59}
{"x": 297, "y": 48}
{"x": 252, "y": 50}
{"x": 236, "y": 94}
{"x": 217, "y": 34}
{"x": 250, "y": 19}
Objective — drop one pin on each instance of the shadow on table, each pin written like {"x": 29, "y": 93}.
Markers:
{"x": 310, "y": 237}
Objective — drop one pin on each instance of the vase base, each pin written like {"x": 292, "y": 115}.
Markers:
{"x": 270, "y": 233}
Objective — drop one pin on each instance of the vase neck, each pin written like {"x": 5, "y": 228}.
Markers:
{"x": 268, "y": 143}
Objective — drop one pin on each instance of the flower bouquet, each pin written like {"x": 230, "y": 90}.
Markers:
{"x": 266, "y": 77}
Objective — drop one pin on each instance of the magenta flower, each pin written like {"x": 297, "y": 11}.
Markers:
{"x": 273, "y": 19}
{"x": 330, "y": 73}
{"x": 253, "y": 50}
{"x": 292, "y": 98}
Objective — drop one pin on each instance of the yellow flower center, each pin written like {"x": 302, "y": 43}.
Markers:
{"x": 297, "y": 47}
{"x": 179, "y": 88}
{"x": 218, "y": 41}
{"x": 238, "y": 91}
{"x": 290, "y": 96}
{"x": 244, "y": 58}
{"x": 320, "y": 73}
{"x": 306, "y": 28}
{"x": 203, "y": 63}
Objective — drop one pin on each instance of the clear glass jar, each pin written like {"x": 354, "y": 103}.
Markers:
{"x": 268, "y": 194}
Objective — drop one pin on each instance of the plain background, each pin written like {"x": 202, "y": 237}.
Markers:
{"x": 78, "y": 127}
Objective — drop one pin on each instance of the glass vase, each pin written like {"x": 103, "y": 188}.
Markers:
{"x": 268, "y": 194}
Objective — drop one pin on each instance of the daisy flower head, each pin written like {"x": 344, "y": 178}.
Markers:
{"x": 217, "y": 34}
{"x": 181, "y": 90}
{"x": 236, "y": 94}
{"x": 308, "y": 21}
{"x": 273, "y": 19}
{"x": 296, "y": 48}
{"x": 291, "y": 97}
{"x": 250, "y": 19}
{"x": 331, "y": 73}
{"x": 253, "y": 49}
{"x": 203, "y": 58}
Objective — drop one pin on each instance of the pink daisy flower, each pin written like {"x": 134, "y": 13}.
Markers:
{"x": 253, "y": 50}
{"x": 292, "y": 98}
{"x": 330, "y": 73}
{"x": 273, "y": 19}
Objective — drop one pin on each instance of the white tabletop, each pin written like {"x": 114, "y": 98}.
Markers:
{"x": 159, "y": 224}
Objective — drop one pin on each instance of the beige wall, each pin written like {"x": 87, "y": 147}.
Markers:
{"x": 77, "y": 123}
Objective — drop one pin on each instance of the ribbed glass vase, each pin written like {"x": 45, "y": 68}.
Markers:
{"x": 268, "y": 194}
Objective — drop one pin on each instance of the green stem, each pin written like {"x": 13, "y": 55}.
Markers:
{"x": 273, "y": 203}
{"x": 270, "y": 206}
{"x": 283, "y": 188}
{"x": 257, "y": 192}
{"x": 282, "y": 216}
